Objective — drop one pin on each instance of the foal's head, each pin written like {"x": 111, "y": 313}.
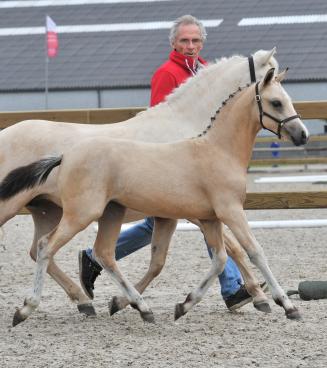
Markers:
{"x": 276, "y": 110}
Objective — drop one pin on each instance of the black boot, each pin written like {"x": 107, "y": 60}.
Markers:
{"x": 89, "y": 270}
{"x": 241, "y": 297}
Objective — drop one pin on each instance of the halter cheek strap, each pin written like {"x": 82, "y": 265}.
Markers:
{"x": 262, "y": 113}
{"x": 252, "y": 70}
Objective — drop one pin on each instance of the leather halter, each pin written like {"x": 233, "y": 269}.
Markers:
{"x": 252, "y": 70}
{"x": 280, "y": 122}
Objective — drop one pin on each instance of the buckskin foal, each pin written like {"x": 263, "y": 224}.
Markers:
{"x": 202, "y": 178}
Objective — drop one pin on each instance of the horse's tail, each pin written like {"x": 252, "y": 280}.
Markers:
{"x": 27, "y": 177}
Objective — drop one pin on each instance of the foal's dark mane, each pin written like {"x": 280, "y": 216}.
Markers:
{"x": 214, "y": 117}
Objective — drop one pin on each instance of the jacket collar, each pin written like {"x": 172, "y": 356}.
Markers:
{"x": 187, "y": 62}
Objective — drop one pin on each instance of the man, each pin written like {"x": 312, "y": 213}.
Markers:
{"x": 187, "y": 36}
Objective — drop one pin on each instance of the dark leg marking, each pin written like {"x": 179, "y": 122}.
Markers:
{"x": 147, "y": 316}
{"x": 278, "y": 302}
{"x": 114, "y": 306}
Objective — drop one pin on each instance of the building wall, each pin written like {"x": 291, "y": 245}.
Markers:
{"x": 23, "y": 101}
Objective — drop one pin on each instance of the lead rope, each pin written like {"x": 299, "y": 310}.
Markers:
{"x": 188, "y": 67}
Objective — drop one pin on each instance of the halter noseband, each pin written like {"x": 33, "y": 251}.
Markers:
{"x": 280, "y": 123}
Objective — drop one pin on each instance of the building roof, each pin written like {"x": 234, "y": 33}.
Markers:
{"x": 109, "y": 58}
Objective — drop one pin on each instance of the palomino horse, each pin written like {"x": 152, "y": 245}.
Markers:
{"x": 202, "y": 178}
{"x": 183, "y": 115}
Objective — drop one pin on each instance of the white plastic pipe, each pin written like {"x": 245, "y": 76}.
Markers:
{"x": 275, "y": 224}
{"x": 292, "y": 179}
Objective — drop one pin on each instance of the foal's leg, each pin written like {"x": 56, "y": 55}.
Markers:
{"x": 234, "y": 250}
{"x": 79, "y": 211}
{"x": 46, "y": 216}
{"x": 161, "y": 237}
{"x": 213, "y": 233}
{"x": 104, "y": 251}
{"x": 237, "y": 222}
{"x": 48, "y": 245}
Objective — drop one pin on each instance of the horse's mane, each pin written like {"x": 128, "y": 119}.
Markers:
{"x": 196, "y": 80}
{"x": 223, "y": 104}
{"x": 218, "y": 64}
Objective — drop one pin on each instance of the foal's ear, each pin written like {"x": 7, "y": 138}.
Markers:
{"x": 281, "y": 75}
{"x": 268, "y": 77}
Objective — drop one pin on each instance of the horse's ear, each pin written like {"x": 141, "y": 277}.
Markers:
{"x": 281, "y": 75}
{"x": 263, "y": 57}
{"x": 271, "y": 53}
{"x": 268, "y": 77}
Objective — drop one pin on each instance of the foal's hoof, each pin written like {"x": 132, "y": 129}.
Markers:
{"x": 262, "y": 307}
{"x": 18, "y": 318}
{"x": 293, "y": 314}
{"x": 86, "y": 309}
{"x": 114, "y": 305}
{"x": 147, "y": 316}
{"x": 179, "y": 311}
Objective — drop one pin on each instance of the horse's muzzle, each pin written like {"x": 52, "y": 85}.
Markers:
{"x": 301, "y": 138}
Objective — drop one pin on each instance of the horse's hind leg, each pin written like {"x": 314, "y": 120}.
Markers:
{"x": 104, "y": 251}
{"x": 161, "y": 237}
{"x": 239, "y": 226}
{"x": 234, "y": 250}
{"x": 212, "y": 231}
{"x": 48, "y": 245}
{"x": 46, "y": 216}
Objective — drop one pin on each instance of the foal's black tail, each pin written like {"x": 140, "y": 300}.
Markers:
{"x": 27, "y": 177}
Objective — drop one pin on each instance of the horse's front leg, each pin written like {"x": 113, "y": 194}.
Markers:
{"x": 161, "y": 237}
{"x": 236, "y": 220}
{"x": 213, "y": 233}
{"x": 104, "y": 251}
{"x": 234, "y": 250}
{"x": 46, "y": 216}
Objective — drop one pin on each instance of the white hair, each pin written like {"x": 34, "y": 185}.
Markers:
{"x": 186, "y": 20}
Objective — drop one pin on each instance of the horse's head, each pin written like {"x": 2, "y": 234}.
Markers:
{"x": 276, "y": 110}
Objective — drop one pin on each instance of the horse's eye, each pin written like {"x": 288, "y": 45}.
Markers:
{"x": 276, "y": 104}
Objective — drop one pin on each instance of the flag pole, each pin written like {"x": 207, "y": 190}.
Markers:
{"x": 46, "y": 65}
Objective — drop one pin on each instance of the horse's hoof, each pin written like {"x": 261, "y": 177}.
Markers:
{"x": 179, "y": 311}
{"x": 86, "y": 309}
{"x": 262, "y": 307}
{"x": 114, "y": 306}
{"x": 18, "y": 318}
{"x": 293, "y": 314}
{"x": 147, "y": 316}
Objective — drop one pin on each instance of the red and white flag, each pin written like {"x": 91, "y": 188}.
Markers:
{"x": 52, "y": 37}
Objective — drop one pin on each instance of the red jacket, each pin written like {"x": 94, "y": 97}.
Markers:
{"x": 171, "y": 74}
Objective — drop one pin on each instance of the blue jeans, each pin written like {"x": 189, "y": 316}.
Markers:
{"x": 139, "y": 235}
